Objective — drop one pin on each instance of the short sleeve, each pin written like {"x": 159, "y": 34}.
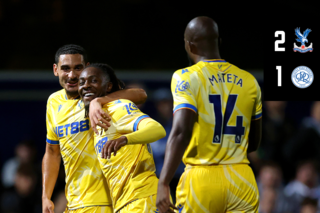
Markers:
{"x": 126, "y": 117}
{"x": 257, "y": 109}
{"x": 52, "y": 137}
{"x": 184, "y": 88}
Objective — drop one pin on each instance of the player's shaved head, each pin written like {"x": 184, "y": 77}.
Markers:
{"x": 202, "y": 38}
{"x": 201, "y": 29}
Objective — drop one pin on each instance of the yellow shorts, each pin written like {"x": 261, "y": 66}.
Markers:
{"x": 219, "y": 188}
{"x": 92, "y": 209}
{"x": 145, "y": 205}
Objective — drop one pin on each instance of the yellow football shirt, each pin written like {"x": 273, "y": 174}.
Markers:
{"x": 67, "y": 128}
{"x": 131, "y": 173}
{"x": 225, "y": 99}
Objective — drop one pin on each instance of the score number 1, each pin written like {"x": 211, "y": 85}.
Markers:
{"x": 279, "y": 76}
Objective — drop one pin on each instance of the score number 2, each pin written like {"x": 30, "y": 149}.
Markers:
{"x": 281, "y": 41}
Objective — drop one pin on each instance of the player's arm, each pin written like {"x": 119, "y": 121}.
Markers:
{"x": 179, "y": 138}
{"x": 256, "y": 122}
{"x": 50, "y": 170}
{"x": 184, "y": 88}
{"x": 148, "y": 131}
{"x": 96, "y": 114}
{"x": 255, "y": 135}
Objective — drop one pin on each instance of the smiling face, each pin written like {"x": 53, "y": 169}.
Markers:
{"x": 93, "y": 83}
{"x": 68, "y": 70}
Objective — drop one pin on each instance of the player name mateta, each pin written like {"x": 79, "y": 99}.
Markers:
{"x": 226, "y": 78}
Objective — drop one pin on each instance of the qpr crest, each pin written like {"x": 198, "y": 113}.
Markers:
{"x": 302, "y": 77}
{"x": 302, "y": 39}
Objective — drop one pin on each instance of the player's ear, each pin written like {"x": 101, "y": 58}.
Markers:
{"x": 109, "y": 87}
{"x": 192, "y": 47}
{"x": 187, "y": 45}
{"x": 55, "y": 69}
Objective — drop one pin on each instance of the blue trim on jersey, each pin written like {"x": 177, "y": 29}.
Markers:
{"x": 135, "y": 126}
{"x": 185, "y": 106}
{"x": 66, "y": 97}
{"x": 215, "y": 61}
{"x": 52, "y": 142}
{"x": 257, "y": 116}
{"x": 227, "y": 68}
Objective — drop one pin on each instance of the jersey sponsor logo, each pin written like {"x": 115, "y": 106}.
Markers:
{"x": 131, "y": 107}
{"x": 182, "y": 86}
{"x": 230, "y": 78}
{"x": 100, "y": 144}
{"x": 302, "y": 38}
{"x": 117, "y": 102}
{"x": 302, "y": 77}
{"x": 72, "y": 128}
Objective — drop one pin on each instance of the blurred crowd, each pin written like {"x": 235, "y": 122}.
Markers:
{"x": 286, "y": 164}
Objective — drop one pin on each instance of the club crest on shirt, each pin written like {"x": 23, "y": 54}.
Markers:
{"x": 302, "y": 38}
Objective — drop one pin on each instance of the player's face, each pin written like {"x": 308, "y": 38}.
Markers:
{"x": 69, "y": 69}
{"x": 92, "y": 84}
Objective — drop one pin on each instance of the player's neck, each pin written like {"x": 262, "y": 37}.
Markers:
{"x": 208, "y": 56}
{"x": 72, "y": 96}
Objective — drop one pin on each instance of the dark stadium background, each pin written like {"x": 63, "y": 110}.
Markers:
{"x": 142, "y": 40}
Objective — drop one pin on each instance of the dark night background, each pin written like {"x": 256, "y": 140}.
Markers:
{"x": 128, "y": 34}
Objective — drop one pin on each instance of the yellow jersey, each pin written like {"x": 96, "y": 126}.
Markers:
{"x": 68, "y": 128}
{"x": 131, "y": 173}
{"x": 225, "y": 99}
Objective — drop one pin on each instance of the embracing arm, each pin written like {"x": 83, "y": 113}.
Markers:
{"x": 50, "y": 170}
{"x": 179, "y": 139}
{"x": 254, "y": 135}
{"x": 148, "y": 131}
{"x": 136, "y": 95}
{"x": 96, "y": 114}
